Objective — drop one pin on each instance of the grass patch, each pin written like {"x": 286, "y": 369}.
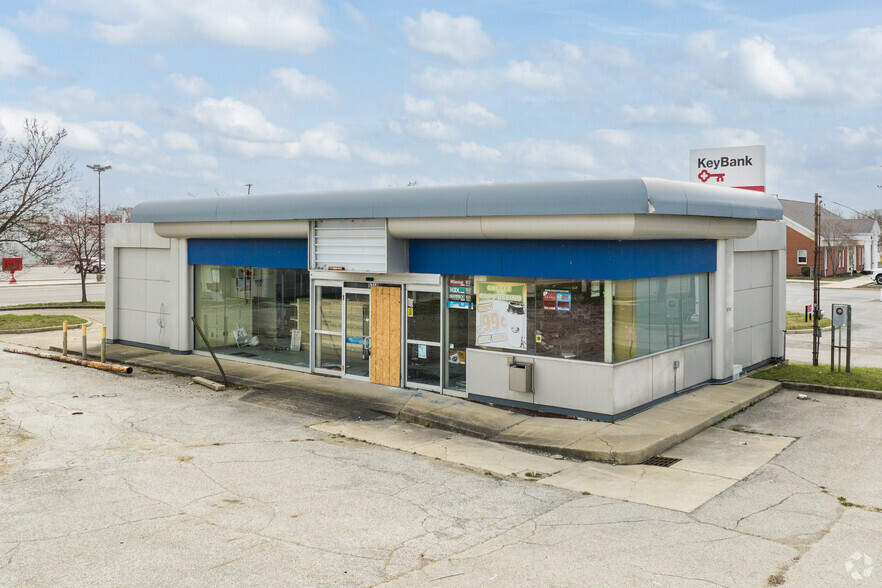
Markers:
{"x": 95, "y": 304}
{"x": 796, "y": 320}
{"x": 863, "y": 378}
{"x": 11, "y": 322}
{"x": 870, "y": 286}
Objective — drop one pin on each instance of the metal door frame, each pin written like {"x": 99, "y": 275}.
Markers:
{"x": 315, "y": 334}
{"x": 365, "y": 292}
{"x": 405, "y": 339}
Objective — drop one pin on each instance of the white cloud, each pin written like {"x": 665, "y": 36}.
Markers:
{"x": 43, "y": 21}
{"x": 729, "y": 137}
{"x": 451, "y": 80}
{"x": 544, "y": 153}
{"x": 695, "y": 114}
{"x": 611, "y": 56}
{"x": 323, "y": 142}
{"x": 385, "y": 158}
{"x": 434, "y": 130}
{"x": 470, "y": 150}
{"x": 278, "y": 25}
{"x": 355, "y": 14}
{"x": 201, "y": 160}
{"x": 458, "y": 38}
{"x": 617, "y": 138}
{"x": 533, "y": 76}
{"x": 178, "y": 141}
{"x": 842, "y": 68}
{"x": 424, "y": 108}
{"x": 191, "y": 85}
{"x": 120, "y": 137}
{"x": 868, "y": 136}
{"x": 470, "y": 113}
{"x": 236, "y": 119}
{"x": 566, "y": 51}
{"x": 13, "y": 59}
{"x": 755, "y": 63}
{"x": 300, "y": 85}
{"x": 473, "y": 114}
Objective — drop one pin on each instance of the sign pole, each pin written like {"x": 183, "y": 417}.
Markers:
{"x": 816, "y": 286}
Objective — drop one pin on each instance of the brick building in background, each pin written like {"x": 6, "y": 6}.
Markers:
{"x": 848, "y": 245}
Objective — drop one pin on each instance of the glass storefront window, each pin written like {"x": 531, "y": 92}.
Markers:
{"x": 254, "y": 313}
{"x": 654, "y": 314}
{"x": 567, "y": 318}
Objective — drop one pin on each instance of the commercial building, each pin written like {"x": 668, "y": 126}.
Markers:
{"x": 587, "y": 298}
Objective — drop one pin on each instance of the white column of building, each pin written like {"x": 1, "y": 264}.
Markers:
{"x": 110, "y": 277}
{"x": 723, "y": 303}
{"x": 182, "y": 340}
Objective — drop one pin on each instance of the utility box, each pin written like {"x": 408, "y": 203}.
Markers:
{"x": 841, "y": 315}
{"x": 520, "y": 377}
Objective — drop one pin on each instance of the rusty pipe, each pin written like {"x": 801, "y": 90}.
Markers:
{"x": 108, "y": 367}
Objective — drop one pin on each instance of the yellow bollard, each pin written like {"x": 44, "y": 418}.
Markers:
{"x": 85, "y": 354}
{"x": 64, "y": 339}
{"x": 103, "y": 344}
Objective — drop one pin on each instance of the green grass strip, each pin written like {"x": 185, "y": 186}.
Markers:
{"x": 796, "y": 320}
{"x": 95, "y": 304}
{"x": 13, "y": 322}
{"x": 863, "y": 378}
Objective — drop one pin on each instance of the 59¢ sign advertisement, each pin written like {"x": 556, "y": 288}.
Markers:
{"x": 501, "y": 315}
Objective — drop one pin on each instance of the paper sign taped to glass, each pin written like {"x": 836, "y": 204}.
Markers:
{"x": 501, "y": 315}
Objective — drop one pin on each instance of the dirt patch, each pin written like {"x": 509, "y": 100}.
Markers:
{"x": 15, "y": 447}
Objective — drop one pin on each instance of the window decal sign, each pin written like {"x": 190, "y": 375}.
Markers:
{"x": 501, "y": 319}
{"x": 556, "y": 300}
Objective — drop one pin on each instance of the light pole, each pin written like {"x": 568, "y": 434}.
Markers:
{"x": 99, "y": 169}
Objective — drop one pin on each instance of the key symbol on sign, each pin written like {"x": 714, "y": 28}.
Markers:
{"x": 705, "y": 175}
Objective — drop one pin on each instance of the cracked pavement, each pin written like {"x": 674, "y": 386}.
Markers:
{"x": 162, "y": 482}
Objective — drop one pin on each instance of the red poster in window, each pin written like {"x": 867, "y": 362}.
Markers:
{"x": 549, "y": 300}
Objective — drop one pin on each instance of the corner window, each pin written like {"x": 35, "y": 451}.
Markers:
{"x": 801, "y": 256}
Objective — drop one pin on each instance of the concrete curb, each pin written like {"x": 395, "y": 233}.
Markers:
{"x": 803, "y": 331}
{"x": 44, "y": 329}
{"x": 839, "y": 391}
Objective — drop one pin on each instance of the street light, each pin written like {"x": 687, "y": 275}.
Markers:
{"x": 99, "y": 169}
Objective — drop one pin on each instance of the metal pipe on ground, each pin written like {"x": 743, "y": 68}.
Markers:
{"x": 108, "y": 367}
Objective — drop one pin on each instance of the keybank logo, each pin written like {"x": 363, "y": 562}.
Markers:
{"x": 708, "y": 163}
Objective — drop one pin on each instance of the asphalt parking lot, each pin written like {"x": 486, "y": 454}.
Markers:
{"x": 106, "y": 480}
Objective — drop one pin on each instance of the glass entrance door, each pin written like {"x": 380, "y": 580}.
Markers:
{"x": 423, "y": 342}
{"x": 357, "y": 332}
{"x": 328, "y": 333}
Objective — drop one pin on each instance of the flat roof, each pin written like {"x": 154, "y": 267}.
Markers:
{"x": 590, "y": 197}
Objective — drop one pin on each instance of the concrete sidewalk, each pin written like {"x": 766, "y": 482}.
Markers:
{"x": 855, "y": 282}
{"x": 630, "y": 441}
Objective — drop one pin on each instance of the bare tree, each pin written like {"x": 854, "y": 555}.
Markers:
{"x": 73, "y": 236}
{"x": 33, "y": 178}
{"x": 837, "y": 234}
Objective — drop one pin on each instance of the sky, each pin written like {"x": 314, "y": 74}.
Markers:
{"x": 200, "y": 98}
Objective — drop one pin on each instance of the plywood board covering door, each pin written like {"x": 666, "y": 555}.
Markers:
{"x": 386, "y": 335}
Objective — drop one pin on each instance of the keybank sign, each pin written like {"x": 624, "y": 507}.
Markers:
{"x": 731, "y": 167}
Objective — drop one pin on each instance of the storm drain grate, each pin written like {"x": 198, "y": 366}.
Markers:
{"x": 662, "y": 462}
